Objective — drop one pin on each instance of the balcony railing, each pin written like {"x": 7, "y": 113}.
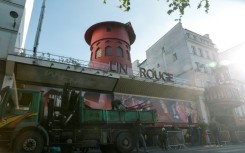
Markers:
{"x": 224, "y": 94}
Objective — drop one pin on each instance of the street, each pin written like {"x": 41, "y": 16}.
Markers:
{"x": 202, "y": 149}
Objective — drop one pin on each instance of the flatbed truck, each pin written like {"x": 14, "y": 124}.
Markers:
{"x": 67, "y": 123}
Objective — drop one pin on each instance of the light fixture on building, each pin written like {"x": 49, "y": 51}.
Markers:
{"x": 67, "y": 67}
{"x": 14, "y": 15}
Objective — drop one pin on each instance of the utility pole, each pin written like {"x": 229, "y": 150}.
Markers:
{"x": 39, "y": 28}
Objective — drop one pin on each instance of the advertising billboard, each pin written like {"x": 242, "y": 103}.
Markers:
{"x": 168, "y": 110}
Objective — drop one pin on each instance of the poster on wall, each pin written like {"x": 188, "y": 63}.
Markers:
{"x": 97, "y": 100}
{"x": 168, "y": 110}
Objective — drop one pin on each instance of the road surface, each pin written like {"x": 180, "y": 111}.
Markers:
{"x": 240, "y": 148}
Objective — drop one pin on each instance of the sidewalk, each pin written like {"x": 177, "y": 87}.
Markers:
{"x": 156, "y": 149}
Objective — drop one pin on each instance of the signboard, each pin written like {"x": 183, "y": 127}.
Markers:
{"x": 168, "y": 110}
{"x": 153, "y": 74}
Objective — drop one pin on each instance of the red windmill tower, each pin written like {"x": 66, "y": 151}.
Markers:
{"x": 110, "y": 44}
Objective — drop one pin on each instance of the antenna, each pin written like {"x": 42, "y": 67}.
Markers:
{"x": 39, "y": 27}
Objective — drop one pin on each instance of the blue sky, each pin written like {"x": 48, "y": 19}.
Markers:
{"x": 65, "y": 23}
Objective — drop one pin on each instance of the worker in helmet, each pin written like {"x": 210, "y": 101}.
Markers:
{"x": 163, "y": 139}
{"x": 139, "y": 130}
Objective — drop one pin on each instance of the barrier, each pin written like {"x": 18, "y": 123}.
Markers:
{"x": 176, "y": 140}
{"x": 240, "y": 136}
{"x": 209, "y": 138}
{"x": 224, "y": 137}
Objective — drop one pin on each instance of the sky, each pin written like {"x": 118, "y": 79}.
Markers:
{"x": 65, "y": 23}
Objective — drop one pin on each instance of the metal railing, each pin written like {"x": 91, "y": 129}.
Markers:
{"x": 240, "y": 136}
{"x": 176, "y": 140}
{"x": 224, "y": 137}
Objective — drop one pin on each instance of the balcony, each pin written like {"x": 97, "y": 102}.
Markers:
{"x": 225, "y": 94}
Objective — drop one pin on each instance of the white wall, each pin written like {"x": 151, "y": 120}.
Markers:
{"x": 11, "y": 37}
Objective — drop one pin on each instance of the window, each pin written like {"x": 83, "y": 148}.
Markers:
{"x": 205, "y": 69}
{"x": 107, "y": 41}
{"x": 108, "y": 29}
{"x": 194, "y": 37}
{"x": 174, "y": 57}
{"x": 193, "y": 50}
{"x": 18, "y": 105}
{"x": 197, "y": 66}
{"x": 108, "y": 51}
{"x": 163, "y": 50}
{"x": 200, "y": 51}
{"x": 25, "y": 100}
{"x": 119, "y": 52}
{"x": 202, "y": 67}
{"x": 98, "y": 53}
{"x": 214, "y": 57}
{"x": 207, "y": 53}
{"x": 128, "y": 54}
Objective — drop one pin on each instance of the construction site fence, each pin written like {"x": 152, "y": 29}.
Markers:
{"x": 176, "y": 140}
{"x": 224, "y": 137}
{"x": 240, "y": 136}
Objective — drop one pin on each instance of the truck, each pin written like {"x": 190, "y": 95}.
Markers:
{"x": 29, "y": 122}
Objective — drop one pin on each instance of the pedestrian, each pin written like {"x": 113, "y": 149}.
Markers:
{"x": 207, "y": 138}
{"x": 199, "y": 131}
{"x": 138, "y": 131}
{"x": 163, "y": 139}
{"x": 215, "y": 129}
{"x": 117, "y": 105}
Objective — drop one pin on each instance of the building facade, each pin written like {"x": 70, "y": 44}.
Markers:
{"x": 233, "y": 60}
{"x": 15, "y": 17}
{"x": 183, "y": 53}
{"x": 194, "y": 59}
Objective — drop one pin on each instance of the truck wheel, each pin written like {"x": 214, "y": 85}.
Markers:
{"x": 29, "y": 142}
{"x": 125, "y": 142}
{"x": 66, "y": 149}
{"x": 108, "y": 149}
{"x": 84, "y": 150}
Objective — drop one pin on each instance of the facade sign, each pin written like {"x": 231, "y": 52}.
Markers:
{"x": 118, "y": 68}
{"x": 153, "y": 74}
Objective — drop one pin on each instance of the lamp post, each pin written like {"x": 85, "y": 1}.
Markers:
{"x": 14, "y": 15}
{"x": 190, "y": 129}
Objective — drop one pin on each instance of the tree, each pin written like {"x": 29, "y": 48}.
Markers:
{"x": 174, "y": 5}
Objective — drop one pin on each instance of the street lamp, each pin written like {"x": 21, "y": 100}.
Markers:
{"x": 14, "y": 15}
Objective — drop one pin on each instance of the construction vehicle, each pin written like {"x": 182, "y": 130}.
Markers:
{"x": 67, "y": 123}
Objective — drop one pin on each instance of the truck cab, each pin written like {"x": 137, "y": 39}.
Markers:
{"x": 19, "y": 120}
